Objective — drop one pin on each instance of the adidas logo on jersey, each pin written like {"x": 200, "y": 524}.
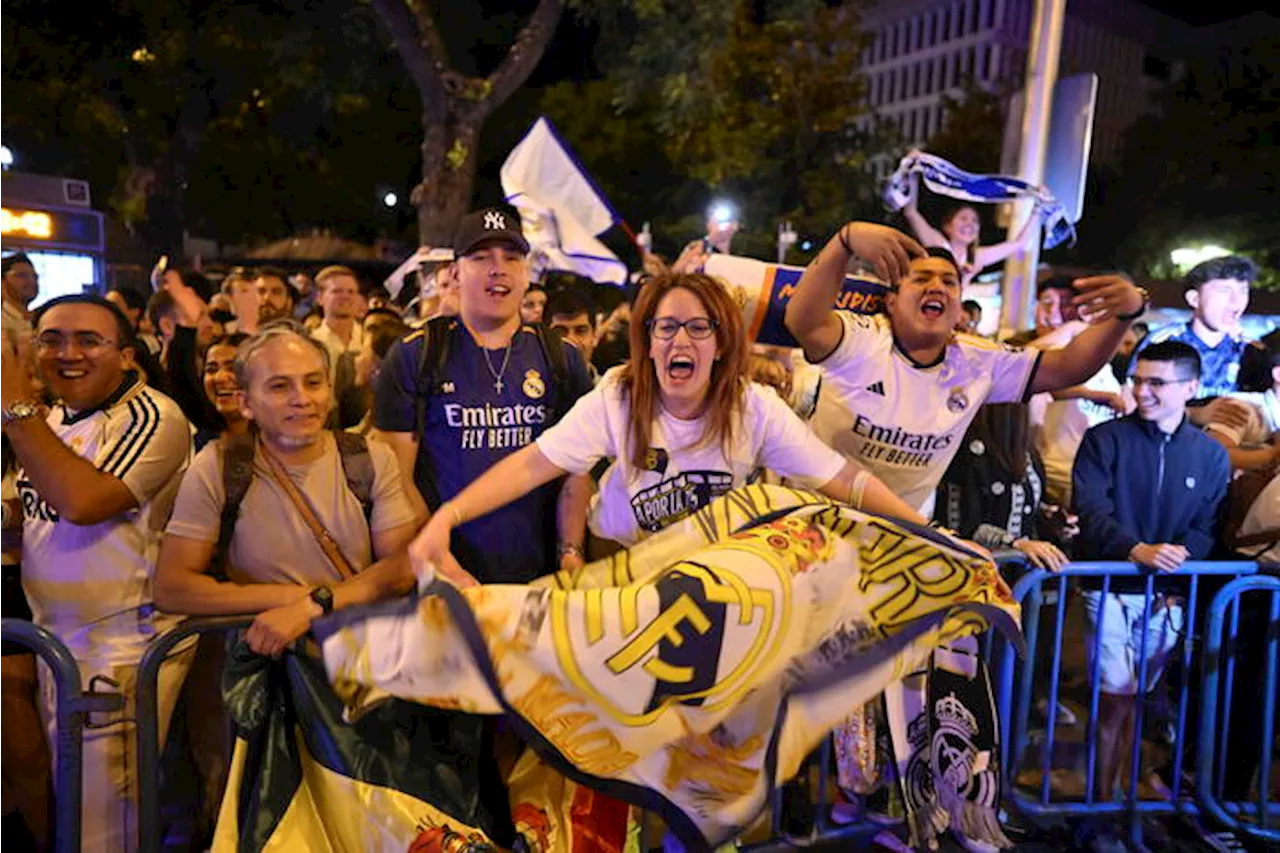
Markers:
{"x": 876, "y": 388}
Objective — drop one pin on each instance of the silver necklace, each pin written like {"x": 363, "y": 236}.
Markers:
{"x": 497, "y": 374}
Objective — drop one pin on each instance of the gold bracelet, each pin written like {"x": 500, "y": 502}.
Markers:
{"x": 857, "y": 487}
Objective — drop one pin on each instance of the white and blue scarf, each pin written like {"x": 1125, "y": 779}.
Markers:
{"x": 942, "y": 177}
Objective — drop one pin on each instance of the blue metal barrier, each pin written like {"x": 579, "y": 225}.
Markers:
{"x": 148, "y": 710}
{"x": 73, "y": 704}
{"x": 1210, "y": 795}
{"x": 1015, "y": 686}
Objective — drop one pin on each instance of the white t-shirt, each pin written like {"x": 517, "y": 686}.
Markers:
{"x": 1064, "y": 426}
{"x": 680, "y": 476}
{"x": 91, "y": 584}
{"x": 904, "y": 421}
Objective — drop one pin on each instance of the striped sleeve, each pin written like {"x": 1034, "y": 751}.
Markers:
{"x": 149, "y": 443}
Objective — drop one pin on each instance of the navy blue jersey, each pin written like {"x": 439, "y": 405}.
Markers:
{"x": 469, "y": 426}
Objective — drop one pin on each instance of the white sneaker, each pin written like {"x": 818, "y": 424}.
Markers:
{"x": 1063, "y": 716}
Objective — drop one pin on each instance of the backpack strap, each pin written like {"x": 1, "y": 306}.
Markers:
{"x": 437, "y": 336}
{"x": 553, "y": 350}
{"x": 357, "y": 467}
{"x": 237, "y": 474}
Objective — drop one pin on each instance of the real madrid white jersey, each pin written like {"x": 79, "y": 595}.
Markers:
{"x": 91, "y": 584}
{"x": 904, "y": 421}
{"x": 681, "y": 473}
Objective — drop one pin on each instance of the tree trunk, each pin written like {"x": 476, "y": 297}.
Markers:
{"x": 448, "y": 173}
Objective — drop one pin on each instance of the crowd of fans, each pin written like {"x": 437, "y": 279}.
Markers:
{"x": 271, "y": 443}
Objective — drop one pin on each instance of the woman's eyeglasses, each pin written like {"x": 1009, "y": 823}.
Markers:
{"x": 699, "y": 328}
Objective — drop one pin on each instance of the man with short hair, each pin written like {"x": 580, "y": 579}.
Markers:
{"x": 1149, "y": 488}
{"x": 339, "y": 299}
{"x": 1218, "y": 292}
{"x": 278, "y": 566}
{"x": 899, "y": 389}
{"x": 19, "y": 286}
{"x": 276, "y": 295}
{"x": 495, "y": 392}
{"x": 572, "y": 315}
{"x": 97, "y": 479}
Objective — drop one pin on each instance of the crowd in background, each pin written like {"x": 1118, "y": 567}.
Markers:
{"x": 360, "y": 409}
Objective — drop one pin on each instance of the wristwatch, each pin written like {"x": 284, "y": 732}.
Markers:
{"x": 19, "y": 411}
{"x": 1146, "y": 301}
{"x": 565, "y": 548}
{"x": 323, "y": 596}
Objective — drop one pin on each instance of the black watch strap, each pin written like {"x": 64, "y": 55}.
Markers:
{"x": 323, "y": 596}
{"x": 1146, "y": 302}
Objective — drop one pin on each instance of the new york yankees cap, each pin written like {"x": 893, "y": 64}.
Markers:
{"x": 489, "y": 225}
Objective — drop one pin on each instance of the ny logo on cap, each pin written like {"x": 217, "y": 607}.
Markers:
{"x": 495, "y": 221}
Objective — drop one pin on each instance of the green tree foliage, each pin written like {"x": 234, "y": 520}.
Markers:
{"x": 218, "y": 118}
{"x": 759, "y": 101}
{"x": 1201, "y": 170}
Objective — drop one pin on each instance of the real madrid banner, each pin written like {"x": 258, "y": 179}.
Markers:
{"x": 693, "y": 673}
{"x": 763, "y": 290}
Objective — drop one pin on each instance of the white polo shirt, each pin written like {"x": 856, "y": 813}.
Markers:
{"x": 902, "y": 420}
{"x": 91, "y": 584}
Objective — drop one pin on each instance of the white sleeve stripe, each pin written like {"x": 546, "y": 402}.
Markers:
{"x": 153, "y": 426}
{"x": 134, "y": 426}
{"x": 141, "y": 437}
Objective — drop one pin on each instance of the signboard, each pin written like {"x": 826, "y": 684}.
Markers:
{"x": 1066, "y": 161}
{"x": 65, "y": 228}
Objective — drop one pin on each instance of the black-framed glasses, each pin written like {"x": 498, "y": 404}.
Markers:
{"x": 1155, "y": 382}
{"x": 666, "y": 328}
{"x": 87, "y": 342}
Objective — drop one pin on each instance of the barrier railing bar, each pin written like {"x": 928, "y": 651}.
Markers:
{"x": 148, "y": 712}
{"x": 1233, "y": 640}
{"x": 1184, "y": 700}
{"x": 1022, "y": 709}
{"x": 1095, "y": 691}
{"x": 1140, "y": 704}
{"x": 1211, "y": 665}
{"x": 71, "y": 707}
{"x": 1055, "y": 671}
{"x": 1268, "y": 718}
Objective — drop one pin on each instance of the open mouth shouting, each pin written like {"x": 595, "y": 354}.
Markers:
{"x": 680, "y": 368}
{"x": 933, "y": 307}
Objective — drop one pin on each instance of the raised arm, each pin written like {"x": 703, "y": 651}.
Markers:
{"x": 997, "y": 252}
{"x": 810, "y": 315}
{"x": 1107, "y": 298}
{"x": 925, "y": 233}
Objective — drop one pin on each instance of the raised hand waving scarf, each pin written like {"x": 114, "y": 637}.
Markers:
{"x": 693, "y": 673}
{"x": 944, "y": 178}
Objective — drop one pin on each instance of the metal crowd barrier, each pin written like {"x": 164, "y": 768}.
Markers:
{"x": 148, "y": 710}
{"x": 1015, "y": 689}
{"x": 1212, "y": 758}
{"x": 73, "y": 705}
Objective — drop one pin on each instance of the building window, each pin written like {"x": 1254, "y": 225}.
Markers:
{"x": 971, "y": 16}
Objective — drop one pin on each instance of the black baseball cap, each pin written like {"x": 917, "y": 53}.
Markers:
{"x": 489, "y": 225}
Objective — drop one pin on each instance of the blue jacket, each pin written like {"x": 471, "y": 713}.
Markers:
{"x": 1132, "y": 483}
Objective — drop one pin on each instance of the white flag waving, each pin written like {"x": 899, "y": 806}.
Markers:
{"x": 560, "y": 207}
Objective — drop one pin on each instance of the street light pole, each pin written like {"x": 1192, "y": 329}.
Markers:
{"x": 1019, "y": 287}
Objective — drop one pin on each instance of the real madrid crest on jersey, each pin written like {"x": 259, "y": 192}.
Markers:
{"x": 957, "y": 402}
{"x": 533, "y": 385}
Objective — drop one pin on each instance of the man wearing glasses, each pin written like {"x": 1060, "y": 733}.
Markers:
{"x": 1148, "y": 488}
{"x": 98, "y": 473}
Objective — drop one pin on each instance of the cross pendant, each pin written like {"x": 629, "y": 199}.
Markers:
{"x": 497, "y": 385}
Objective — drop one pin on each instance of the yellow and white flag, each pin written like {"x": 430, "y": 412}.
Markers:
{"x": 693, "y": 673}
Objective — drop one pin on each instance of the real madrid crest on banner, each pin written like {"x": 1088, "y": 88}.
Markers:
{"x": 533, "y": 386}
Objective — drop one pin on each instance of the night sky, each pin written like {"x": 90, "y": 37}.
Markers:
{"x": 1201, "y": 14}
